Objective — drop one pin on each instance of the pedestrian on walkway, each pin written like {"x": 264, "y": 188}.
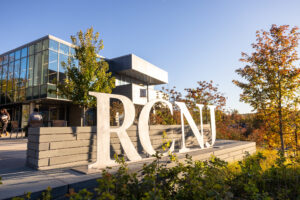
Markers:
{"x": 35, "y": 120}
{"x": 5, "y": 118}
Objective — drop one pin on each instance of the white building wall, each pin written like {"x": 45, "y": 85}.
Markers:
{"x": 137, "y": 99}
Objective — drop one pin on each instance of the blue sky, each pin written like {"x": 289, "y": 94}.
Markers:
{"x": 192, "y": 40}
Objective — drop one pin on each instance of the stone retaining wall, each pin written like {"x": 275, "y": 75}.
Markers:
{"x": 57, "y": 147}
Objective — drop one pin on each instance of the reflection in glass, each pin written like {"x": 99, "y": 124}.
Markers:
{"x": 43, "y": 91}
{"x": 37, "y": 69}
{"x": 10, "y": 76}
{"x": 23, "y": 72}
{"x": 36, "y": 92}
{"x": 38, "y": 47}
{"x": 45, "y": 44}
{"x": 18, "y": 55}
{"x": 44, "y": 74}
{"x": 30, "y": 71}
{"x": 63, "y": 60}
{"x": 16, "y": 95}
{"x": 4, "y": 78}
{"x": 11, "y": 57}
{"x": 5, "y": 59}
{"x": 9, "y": 97}
{"x": 16, "y": 74}
{"x": 63, "y": 49}
{"x": 22, "y": 94}
{"x": 0, "y": 80}
{"x": 53, "y": 45}
{"x": 31, "y": 50}
{"x": 28, "y": 93}
{"x": 53, "y": 64}
{"x": 51, "y": 91}
{"x": 24, "y": 52}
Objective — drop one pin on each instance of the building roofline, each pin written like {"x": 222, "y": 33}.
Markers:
{"x": 60, "y": 40}
{"x": 26, "y": 44}
{"x": 37, "y": 40}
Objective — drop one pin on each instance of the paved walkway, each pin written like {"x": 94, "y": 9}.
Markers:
{"x": 12, "y": 153}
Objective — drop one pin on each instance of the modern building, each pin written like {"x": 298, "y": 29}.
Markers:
{"x": 29, "y": 75}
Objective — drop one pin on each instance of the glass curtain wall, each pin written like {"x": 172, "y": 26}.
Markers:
{"x": 33, "y": 71}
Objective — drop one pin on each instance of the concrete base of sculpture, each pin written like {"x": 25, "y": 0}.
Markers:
{"x": 227, "y": 150}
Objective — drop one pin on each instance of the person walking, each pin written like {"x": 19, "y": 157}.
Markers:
{"x": 5, "y": 118}
{"x": 35, "y": 116}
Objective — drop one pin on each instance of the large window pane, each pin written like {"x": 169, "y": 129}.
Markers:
{"x": 30, "y": 71}
{"x": 10, "y": 84}
{"x": 9, "y": 97}
{"x": 4, "y": 78}
{"x": 38, "y": 47}
{"x": 44, "y": 74}
{"x": 5, "y": 59}
{"x": 0, "y": 79}
{"x": 1, "y": 60}
{"x": 16, "y": 95}
{"x": 53, "y": 66}
{"x": 31, "y": 50}
{"x": 24, "y": 52}
{"x": 63, "y": 49}
{"x": 53, "y": 45}
{"x": 22, "y": 94}
{"x": 23, "y": 72}
{"x": 28, "y": 93}
{"x": 36, "y": 92}
{"x": 45, "y": 44}
{"x": 37, "y": 69}
{"x": 62, "y": 59}
{"x": 51, "y": 91}
{"x": 10, "y": 77}
{"x": 11, "y": 57}
{"x": 43, "y": 91}
{"x": 17, "y": 75}
{"x": 18, "y": 55}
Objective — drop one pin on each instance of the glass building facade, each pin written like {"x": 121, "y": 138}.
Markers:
{"x": 29, "y": 74}
{"x": 32, "y": 71}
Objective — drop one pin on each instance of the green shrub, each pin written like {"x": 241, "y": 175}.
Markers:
{"x": 212, "y": 179}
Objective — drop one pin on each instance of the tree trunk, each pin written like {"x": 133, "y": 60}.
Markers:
{"x": 280, "y": 129}
{"x": 83, "y": 117}
{"x": 280, "y": 119}
{"x": 296, "y": 138}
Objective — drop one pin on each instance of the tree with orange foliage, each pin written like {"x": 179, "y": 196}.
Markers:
{"x": 272, "y": 78}
{"x": 207, "y": 93}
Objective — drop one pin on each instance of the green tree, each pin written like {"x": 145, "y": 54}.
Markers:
{"x": 272, "y": 78}
{"x": 91, "y": 74}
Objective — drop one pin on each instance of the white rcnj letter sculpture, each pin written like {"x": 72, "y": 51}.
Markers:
{"x": 103, "y": 128}
{"x": 143, "y": 127}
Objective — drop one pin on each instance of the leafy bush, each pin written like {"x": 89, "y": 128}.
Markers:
{"x": 259, "y": 176}
{"x": 213, "y": 179}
